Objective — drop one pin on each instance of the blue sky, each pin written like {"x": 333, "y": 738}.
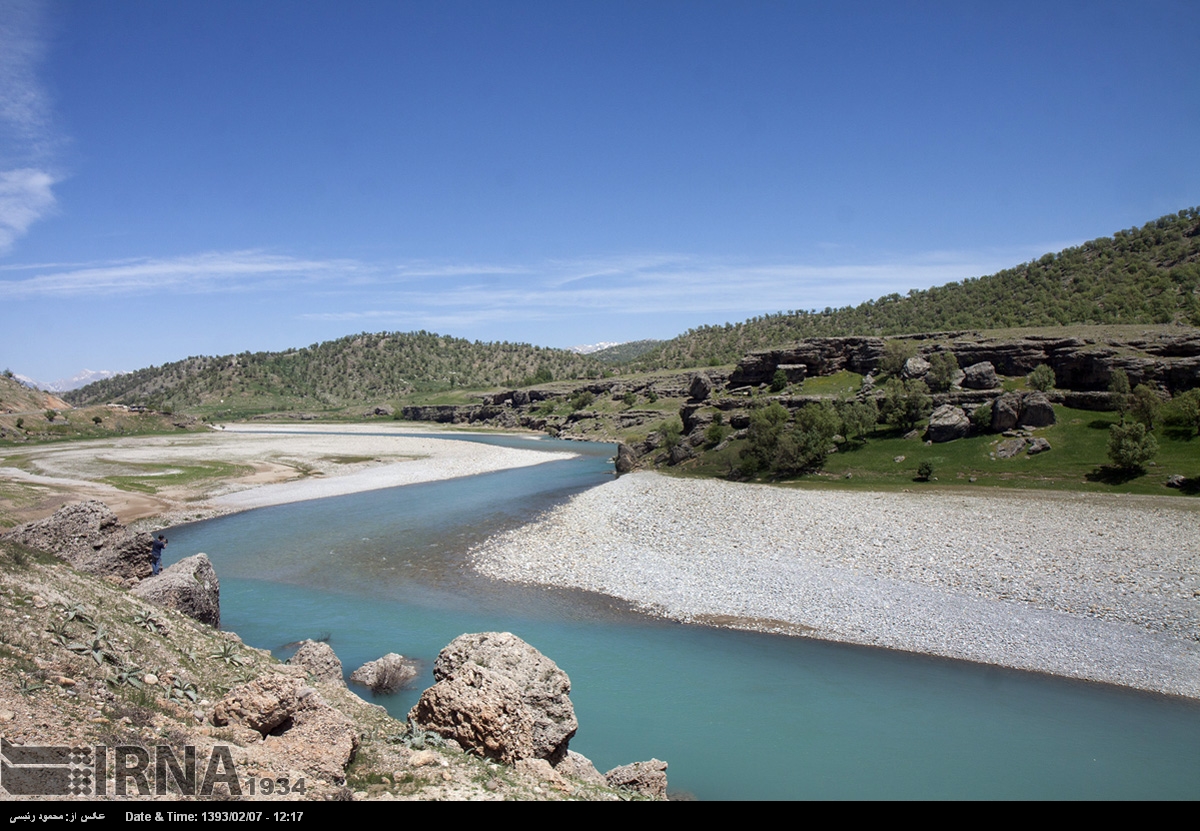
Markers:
{"x": 210, "y": 177}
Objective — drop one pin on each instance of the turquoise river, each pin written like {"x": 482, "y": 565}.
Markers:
{"x": 736, "y": 715}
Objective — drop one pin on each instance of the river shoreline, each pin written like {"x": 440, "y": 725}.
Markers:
{"x": 274, "y": 464}
{"x": 1098, "y": 589}
{"x": 1094, "y": 589}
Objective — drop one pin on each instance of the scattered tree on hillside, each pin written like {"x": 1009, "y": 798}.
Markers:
{"x": 779, "y": 381}
{"x": 1041, "y": 379}
{"x": 1118, "y": 385}
{"x": 1145, "y": 405}
{"x": 895, "y": 354}
{"x": 942, "y": 368}
{"x": 858, "y": 417}
{"x": 905, "y": 403}
{"x": 1131, "y": 446}
{"x": 1181, "y": 411}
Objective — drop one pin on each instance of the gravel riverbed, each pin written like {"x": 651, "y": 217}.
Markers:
{"x": 1099, "y": 588}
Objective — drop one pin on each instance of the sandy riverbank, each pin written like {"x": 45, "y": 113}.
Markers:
{"x": 256, "y": 465}
{"x": 1103, "y": 589}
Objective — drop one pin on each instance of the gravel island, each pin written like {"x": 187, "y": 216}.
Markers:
{"x": 1092, "y": 587}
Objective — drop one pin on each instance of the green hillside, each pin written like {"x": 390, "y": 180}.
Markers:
{"x": 1144, "y": 275}
{"x": 366, "y": 368}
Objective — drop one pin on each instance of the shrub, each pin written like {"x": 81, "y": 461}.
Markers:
{"x": 1131, "y": 446}
{"x": 581, "y": 399}
{"x": 778, "y": 381}
{"x": 981, "y": 419}
{"x": 97, "y": 420}
{"x": 1145, "y": 405}
{"x": 858, "y": 417}
{"x": 905, "y": 403}
{"x": 895, "y": 354}
{"x": 1118, "y": 385}
{"x": 51, "y": 415}
{"x": 1181, "y": 411}
{"x": 671, "y": 430}
{"x": 942, "y": 367}
{"x": 20, "y": 424}
{"x": 629, "y": 398}
{"x": 925, "y": 471}
{"x": 1042, "y": 378}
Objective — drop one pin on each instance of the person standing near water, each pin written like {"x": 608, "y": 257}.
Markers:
{"x": 156, "y": 550}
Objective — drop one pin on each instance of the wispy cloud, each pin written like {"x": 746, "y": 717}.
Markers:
{"x": 231, "y": 271}
{"x": 27, "y": 140}
{"x": 652, "y": 284}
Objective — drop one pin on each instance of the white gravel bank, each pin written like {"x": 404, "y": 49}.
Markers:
{"x": 1105, "y": 589}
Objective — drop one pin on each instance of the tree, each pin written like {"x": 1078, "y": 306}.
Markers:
{"x": 942, "y": 367}
{"x": 905, "y": 402}
{"x": 1118, "y": 385}
{"x": 1042, "y": 378}
{"x": 1131, "y": 446}
{"x": 766, "y": 426}
{"x": 1145, "y": 405}
{"x": 51, "y": 415}
{"x": 895, "y": 354}
{"x": 1181, "y": 411}
{"x": 858, "y": 417}
{"x": 778, "y": 381}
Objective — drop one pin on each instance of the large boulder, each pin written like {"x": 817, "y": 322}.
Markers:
{"x": 499, "y": 697}
{"x": 1036, "y": 410}
{"x": 626, "y": 459}
{"x": 948, "y": 423}
{"x": 319, "y": 659}
{"x": 89, "y": 536}
{"x": 700, "y": 388}
{"x": 387, "y": 674}
{"x": 980, "y": 376}
{"x": 915, "y": 367}
{"x": 647, "y": 778}
{"x": 189, "y": 586}
{"x": 293, "y": 727}
{"x": 1006, "y": 410}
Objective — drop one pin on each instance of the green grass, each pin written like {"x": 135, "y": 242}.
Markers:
{"x": 156, "y": 476}
{"x": 1077, "y": 461}
{"x": 838, "y": 383}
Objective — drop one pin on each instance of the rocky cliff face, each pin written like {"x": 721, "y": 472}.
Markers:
{"x": 1171, "y": 362}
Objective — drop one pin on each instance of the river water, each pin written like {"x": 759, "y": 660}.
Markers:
{"x": 736, "y": 715}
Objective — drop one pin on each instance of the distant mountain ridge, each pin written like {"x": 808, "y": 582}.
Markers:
{"x": 1144, "y": 275}
{"x": 80, "y": 379}
{"x": 1141, "y": 276}
{"x": 372, "y": 367}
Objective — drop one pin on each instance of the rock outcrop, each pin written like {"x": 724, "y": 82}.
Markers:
{"x": 387, "y": 674}
{"x": 948, "y": 423}
{"x": 297, "y": 728}
{"x": 319, "y": 660}
{"x": 89, "y": 536}
{"x": 980, "y": 376}
{"x": 647, "y": 778}
{"x": 499, "y": 697}
{"x": 189, "y": 586}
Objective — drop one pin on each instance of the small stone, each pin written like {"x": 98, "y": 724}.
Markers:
{"x": 150, "y": 679}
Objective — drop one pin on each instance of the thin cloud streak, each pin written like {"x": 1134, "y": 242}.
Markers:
{"x": 216, "y": 271}
{"x": 26, "y": 138}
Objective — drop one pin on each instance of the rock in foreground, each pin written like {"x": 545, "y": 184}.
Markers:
{"x": 499, "y": 697}
{"x": 189, "y": 586}
{"x": 387, "y": 674}
{"x": 89, "y": 536}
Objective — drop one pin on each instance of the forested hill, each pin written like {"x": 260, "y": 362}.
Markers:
{"x": 1144, "y": 275}
{"x": 355, "y": 369}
